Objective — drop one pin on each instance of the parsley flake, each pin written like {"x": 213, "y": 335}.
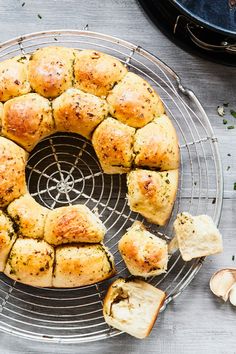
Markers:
{"x": 21, "y": 59}
{"x": 233, "y": 113}
{"x": 23, "y": 4}
{"x": 39, "y": 16}
{"x": 228, "y": 168}
{"x": 230, "y": 127}
{"x": 225, "y": 121}
{"x": 234, "y": 186}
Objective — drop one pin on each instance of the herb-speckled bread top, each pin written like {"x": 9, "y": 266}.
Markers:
{"x": 59, "y": 89}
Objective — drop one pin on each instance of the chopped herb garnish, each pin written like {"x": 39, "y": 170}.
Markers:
{"x": 213, "y": 200}
{"x": 167, "y": 181}
{"x": 195, "y": 183}
{"x": 233, "y": 257}
{"x": 221, "y": 111}
{"x": 225, "y": 121}
{"x": 233, "y": 113}
{"x": 21, "y": 59}
{"x": 55, "y": 39}
{"x": 234, "y": 186}
{"x": 226, "y": 104}
{"x": 23, "y": 4}
{"x": 39, "y": 16}
{"x": 230, "y": 127}
{"x": 228, "y": 154}
{"x": 228, "y": 168}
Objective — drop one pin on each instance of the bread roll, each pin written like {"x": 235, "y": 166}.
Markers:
{"x": 113, "y": 144}
{"x": 79, "y": 265}
{"x": 132, "y": 306}
{"x": 27, "y": 119}
{"x": 156, "y": 145}
{"x": 7, "y": 238}
{"x": 152, "y": 194}
{"x": 197, "y": 236}
{"x": 144, "y": 254}
{"x": 31, "y": 262}
{"x": 51, "y": 70}
{"x": 134, "y": 102}
{"x": 73, "y": 224}
{"x": 97, "y": 72}
{"x": 12, "y": 171}
{"x": 28, "y": 216}
{"x": 79, "y": 112}
{"x": 14, "y": 77}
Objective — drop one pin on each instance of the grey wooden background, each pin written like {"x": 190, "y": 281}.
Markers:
{"x": 196, "y": 322}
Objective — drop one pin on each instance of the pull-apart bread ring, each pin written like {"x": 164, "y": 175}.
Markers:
{"x": 58, "y": 89}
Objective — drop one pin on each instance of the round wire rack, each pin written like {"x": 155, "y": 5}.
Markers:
{"x": 63, "y": 170}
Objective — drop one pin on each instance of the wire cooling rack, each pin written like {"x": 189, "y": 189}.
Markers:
{"x": 64, "y": 170}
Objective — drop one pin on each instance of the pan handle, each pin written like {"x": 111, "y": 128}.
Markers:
{"x": 223, "y": 47}
{"x": 190, "y": 26}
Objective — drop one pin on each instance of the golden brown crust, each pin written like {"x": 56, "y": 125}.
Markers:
{"x": 14, "y": 77}
{"x": 113, "y": 144}
{"x": 97, "y": 72}
{"x": 132, "y": 306}
{"x": 156, "y": 145}
{"x": 28, "y": 216}
{"x": 134, "y": 102}
{"x": 1, "y": 114}
{"x": 80, "y": 265}
{"x": 73, "y": 224}
{"x": 78, "y": 112}
{"x": 51, "y": 70}
{"x": 152, "y": 194}
{"x": 7, "y": 238}
{"x": 12, "y": 171}
{"x": 144, "y": 254}
{"x": 31, "y": 262}
{"x": 27, "y": 119}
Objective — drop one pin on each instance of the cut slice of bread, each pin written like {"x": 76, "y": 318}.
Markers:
{"x": 132, "y": 306}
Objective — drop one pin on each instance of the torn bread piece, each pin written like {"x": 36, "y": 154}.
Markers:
{"x": 132, "y": 306}
{"x": 144, "y": 253}
{"x": 197, "y": 236}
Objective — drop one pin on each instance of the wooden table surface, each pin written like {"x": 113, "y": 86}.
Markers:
{"x": 196, "y": 322}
